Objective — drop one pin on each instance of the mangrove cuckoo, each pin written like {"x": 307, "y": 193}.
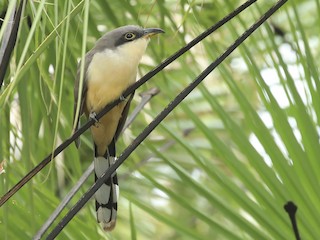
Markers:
{"x": 110, "y": 67}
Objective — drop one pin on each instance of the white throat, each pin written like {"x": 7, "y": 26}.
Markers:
{"x": 134, "y": 50}
{"x": 112, "y": 71}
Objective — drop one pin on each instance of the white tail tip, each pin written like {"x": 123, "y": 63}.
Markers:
{"x": 108, "y": 226}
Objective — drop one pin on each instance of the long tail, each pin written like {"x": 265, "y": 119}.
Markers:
{"x": 106, "y": 196}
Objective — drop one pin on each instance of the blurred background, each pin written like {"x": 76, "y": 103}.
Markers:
{"x": 221, "y": 166}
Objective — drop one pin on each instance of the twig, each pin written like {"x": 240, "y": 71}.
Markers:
{"x": 291, "y": 209}
{"x": 145, "y": 98}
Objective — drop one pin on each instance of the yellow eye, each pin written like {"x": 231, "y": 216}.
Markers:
{"x": 129, "y": 36}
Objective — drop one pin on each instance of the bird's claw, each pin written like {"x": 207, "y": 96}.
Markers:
{"x": 93, "y": 116}
{"x": 122, "y": 98}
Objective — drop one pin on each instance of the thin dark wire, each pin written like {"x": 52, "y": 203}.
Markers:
{"x": 291, "y": 209}
{"x": 84, "y": 199}
{"x": 126, "y": 93}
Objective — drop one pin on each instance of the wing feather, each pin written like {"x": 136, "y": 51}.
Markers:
{"x": 82, "y": 109}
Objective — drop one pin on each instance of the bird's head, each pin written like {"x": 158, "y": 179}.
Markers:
{"x": 126, "y": 35}
{"x": 128, "y": 42}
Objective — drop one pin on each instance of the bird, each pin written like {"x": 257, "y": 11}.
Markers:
{"x": 110, "y": 67}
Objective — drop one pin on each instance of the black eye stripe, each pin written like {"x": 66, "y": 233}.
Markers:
{"x": 127, "y": 36}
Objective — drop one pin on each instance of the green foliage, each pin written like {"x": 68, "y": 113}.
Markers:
{"x": 221, "y": 166}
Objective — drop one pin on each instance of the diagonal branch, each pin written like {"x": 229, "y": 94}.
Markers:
{"x": 163, "y": 148}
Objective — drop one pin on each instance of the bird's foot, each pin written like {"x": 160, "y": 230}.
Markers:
{"x": 122, "y": 98}
{"x": 93, "y": 116}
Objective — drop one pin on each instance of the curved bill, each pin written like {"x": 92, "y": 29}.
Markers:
{"x": 149, "y": 32}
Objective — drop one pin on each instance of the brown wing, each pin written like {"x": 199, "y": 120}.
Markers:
{"x": 76, "y": 121}
{"x": 123, "y": 118}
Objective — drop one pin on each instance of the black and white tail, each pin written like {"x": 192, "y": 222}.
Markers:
{"x": 107, "y": 195}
